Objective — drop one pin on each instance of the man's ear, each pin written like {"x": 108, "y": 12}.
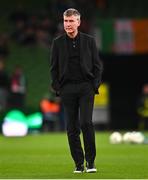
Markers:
{"x": 79, "y": 22}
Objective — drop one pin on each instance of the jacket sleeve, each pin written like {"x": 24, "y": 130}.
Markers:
{"x": 97, "y": 66}
{"x": 54, "y": 67}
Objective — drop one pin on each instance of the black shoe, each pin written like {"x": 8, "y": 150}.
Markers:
{"x": 90, "y": 168}
{"x": 79, "y": 169}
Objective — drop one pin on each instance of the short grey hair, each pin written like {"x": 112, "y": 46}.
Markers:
{"x": 72, "y": 11}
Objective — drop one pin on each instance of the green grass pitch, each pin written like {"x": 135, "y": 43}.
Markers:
{"x": 47, "y": 156}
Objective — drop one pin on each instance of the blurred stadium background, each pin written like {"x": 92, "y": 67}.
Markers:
{"x": 120, "y": 29}
{"x": 121, "y": 32}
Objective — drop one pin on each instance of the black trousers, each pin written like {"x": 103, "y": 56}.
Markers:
{"x": 78, "y": 100}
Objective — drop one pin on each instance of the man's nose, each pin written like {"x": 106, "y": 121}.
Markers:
{"x": 68, "y": 23}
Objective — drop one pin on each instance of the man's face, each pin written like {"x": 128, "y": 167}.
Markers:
{"x": 71, "y": 24}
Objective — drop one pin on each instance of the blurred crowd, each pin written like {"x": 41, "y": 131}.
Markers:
{"x": 12, "y": 88}
{"x": 42, "y": 25}
{"x": 39, "y": 27}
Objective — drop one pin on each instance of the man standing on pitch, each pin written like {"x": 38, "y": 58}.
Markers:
{"x": 76, "y": 75}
